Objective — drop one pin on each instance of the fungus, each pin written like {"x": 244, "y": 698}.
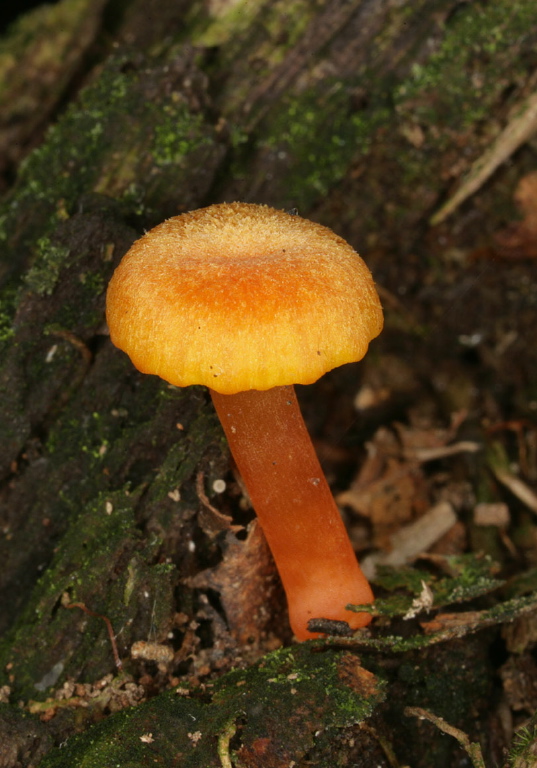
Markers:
{"x": 249, "y": 301}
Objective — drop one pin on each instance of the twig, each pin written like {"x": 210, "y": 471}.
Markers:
{"x": 75, "y": 341}
{"x": 119, "y": 663}
{"x": 223, "y": 744}
{"x": 472, "y": 749}
{"x": 517, "y": 132}
{"x": 383, "y": 744}
{"x": 518, "y": 487}
{"x": 226, "y": 519}
{"x": 423, "y": 455}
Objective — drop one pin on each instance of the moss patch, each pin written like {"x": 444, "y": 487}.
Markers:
{"x": 316, "y": 136}
{"x": 271, "y": 711}
{"x": 457, "y": 85}
{"x": 133, "y": 126}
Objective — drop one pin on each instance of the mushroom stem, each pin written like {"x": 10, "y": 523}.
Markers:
{"x": 274, "y": 454}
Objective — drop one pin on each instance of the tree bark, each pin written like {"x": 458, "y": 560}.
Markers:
{"x": 363, "y": 114}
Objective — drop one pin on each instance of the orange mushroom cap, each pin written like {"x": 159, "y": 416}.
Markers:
{"x": 240, "y": 296}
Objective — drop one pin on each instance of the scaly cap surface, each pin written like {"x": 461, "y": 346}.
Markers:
{"x": 240, "y": 296}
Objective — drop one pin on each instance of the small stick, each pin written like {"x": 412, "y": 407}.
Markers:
{"x": 202, "y": 496}
{"x": 519, "y": 129}
{"x": 223, "y": 744}
{"x": 472, "y": 749}
{"x": 75, "y": 341}
{"x": 118, "y": 662}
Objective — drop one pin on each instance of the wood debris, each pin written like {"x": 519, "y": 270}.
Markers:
{"x": 496, "y": 514}
{"x": 413, "y": 539}
{"x": 393, "y": 491}
{"x": 521, "y": 127}
{"x": 517, "y": 487}
{"x": 217, "y": 521}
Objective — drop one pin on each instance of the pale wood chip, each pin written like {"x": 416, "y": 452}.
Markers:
{"x": 520, "y": 128}
{"x": 413, "y": 539}
{"x": 518, "y": 487}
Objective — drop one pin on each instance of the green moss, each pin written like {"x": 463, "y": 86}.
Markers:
{"x": 472, "y": 577}
{"x": 317, "y": 136}
{"x": 459, "y": 83}
{"x": 101, "y": 564}
{"x": 447, "y": 680}
{"x": 211, "y": 30}
{"x": 502, "y": 613}
{"x": 8, "y": 304}
{"x": 121, "y": 136}
{"x": 280, "y": 24}
{"x": 440, "y": 104}
{"x": 174, "y": 470}
{"x": 90, "y": 435}
{"x": 103, "y": 106}
{"x": 100, "y": 463}
{"x": 43, "y": 276}
{"x": 44, "y": 34}
{"x": 48, "y": 183}
{"x": 276, "y": 706}
{"x": 6, "y": 327}
{"x": 524, "y": 747}
{"x": 286, "y": 24}
{"x": 176, "y": 133}
{"x": 272, "y": 685}
{"x": 80, "y": 570}
{"x": 94, "y": 282}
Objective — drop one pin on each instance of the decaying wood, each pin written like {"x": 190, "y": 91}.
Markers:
{"x": 364, "y": 115}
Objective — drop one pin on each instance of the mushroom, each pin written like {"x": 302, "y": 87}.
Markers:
{"x": 249, "y": 301}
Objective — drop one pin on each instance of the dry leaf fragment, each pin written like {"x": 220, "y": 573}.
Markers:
{"x": 519, "y": 240}
{"x": 519, "y": 678}
{"x": 520, "y": 634}
{"x": 245, "y": 580}
{"x": 389, "y": 500}
{"x": 389, "y": 489}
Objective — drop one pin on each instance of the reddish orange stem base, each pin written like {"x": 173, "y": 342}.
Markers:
{"x": 273, "y": 451}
